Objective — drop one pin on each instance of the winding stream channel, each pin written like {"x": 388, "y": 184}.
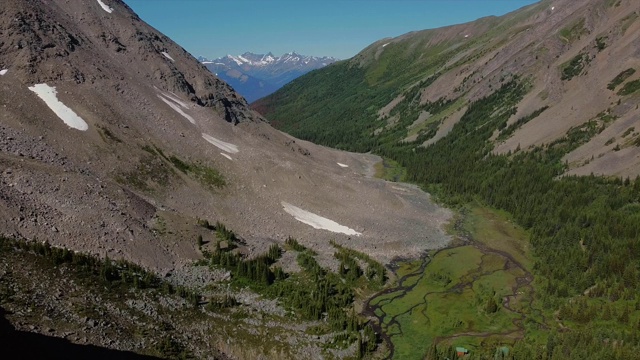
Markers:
{"x": 373, "y": 308}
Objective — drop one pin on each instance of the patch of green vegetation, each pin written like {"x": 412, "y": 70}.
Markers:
{"x": 386, "y": 65}
{"x": 389, "y": 170}
{"x": 628, "y": 20}
{"x": 581, "y": 134}
{"x": 386, "y": 298}
{"x": 437, "y": 118}
{"x": 107, "y": 135}
{"x": 150, "y": 174}
{"x": 294, "y": 245}
{"x": 573, "y": 31}
{"x": 601, "y": 43}
{"x": 375, "y": 273}
{"x": 629, "y": 88}
{"x": 411, "y": 280}
{"x": 613, "y": 3}
{"x": 160, "y": 225}
{"x": 154, "y": 171}
{"x": 620, "y": 78}
{"x": 574, "y": 67}
{"x": 406, "y": 268}
{"x": 498, "y": 231}
{"x": 409, "y": 109}
{"x": 509, "y": 130}
{"x": 149, "y": 149}
{"x": 208, "y": 176}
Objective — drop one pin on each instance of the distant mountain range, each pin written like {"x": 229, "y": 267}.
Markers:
{"x": 257, "y": 75}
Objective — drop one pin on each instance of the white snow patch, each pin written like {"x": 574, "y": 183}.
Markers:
{"x": 553, "y": 8}
{"x": 316, "y": 221}
{"x": 48, "y": 95}
{"x": 227, "y": 156}
{"x": 3, "y": 71}
{"x": 466, "y": 36}
{"x": 234, "y": 59}
{"x": 383, "y": 45}
{"x": 243, "y": 59}
{"x": 105, "y": 7}
{"x": 176, "y": 99}
{"x": 173, "y": 97}
{"x": 166, "y": 54}
{"x": 224, "y": 146}
{"x": 175, "y": 106}
{"x": 343, "y": 165}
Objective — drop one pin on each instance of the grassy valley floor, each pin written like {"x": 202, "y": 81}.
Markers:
{"x": 477, "y": 294}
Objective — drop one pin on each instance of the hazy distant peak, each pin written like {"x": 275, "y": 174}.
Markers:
{"x": 257, "y": 75}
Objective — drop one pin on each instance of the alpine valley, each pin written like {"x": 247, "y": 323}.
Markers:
{"x": 464, "y": 192}
{"x": 527, "y": 125}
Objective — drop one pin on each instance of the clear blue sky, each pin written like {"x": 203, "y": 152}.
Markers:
{"x": 339, "y": 28}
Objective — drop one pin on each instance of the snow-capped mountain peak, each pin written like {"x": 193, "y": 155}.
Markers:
{"x": 269, "y": 71}
{"x": 251, "y": 59}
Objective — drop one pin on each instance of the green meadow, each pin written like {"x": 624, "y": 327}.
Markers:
{"x": 464, "y": 295}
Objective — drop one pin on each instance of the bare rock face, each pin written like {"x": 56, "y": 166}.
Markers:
{"x": 97, "y": 190}
{"x": 80, "y": 42}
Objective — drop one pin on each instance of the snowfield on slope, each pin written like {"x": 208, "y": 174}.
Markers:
{"x": 176, "y": 107}
{"x": 224, "y": 146}
{"x": 105, "y": 7}
{"x": 166, "y": 54}
{"x": 317, "y": 221}
{"x": 3, "y": 71}
{"x": 343, "y": 165}
{"x": 227, "y": 156}
{"x": 49, "y": 95}
{"x": 175, "y": 99}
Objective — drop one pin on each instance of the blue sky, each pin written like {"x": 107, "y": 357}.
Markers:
{"x": 339, "y": 28}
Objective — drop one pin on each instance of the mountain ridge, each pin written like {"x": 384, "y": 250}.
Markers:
{"x": 463, "y": 63}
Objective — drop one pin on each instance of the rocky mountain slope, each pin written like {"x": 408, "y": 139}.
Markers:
{"x": 114, "y": 141}
{"x": 579, "y": 59}
{"x": 157, "y": 124}
{"x": 257, "y": 75}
